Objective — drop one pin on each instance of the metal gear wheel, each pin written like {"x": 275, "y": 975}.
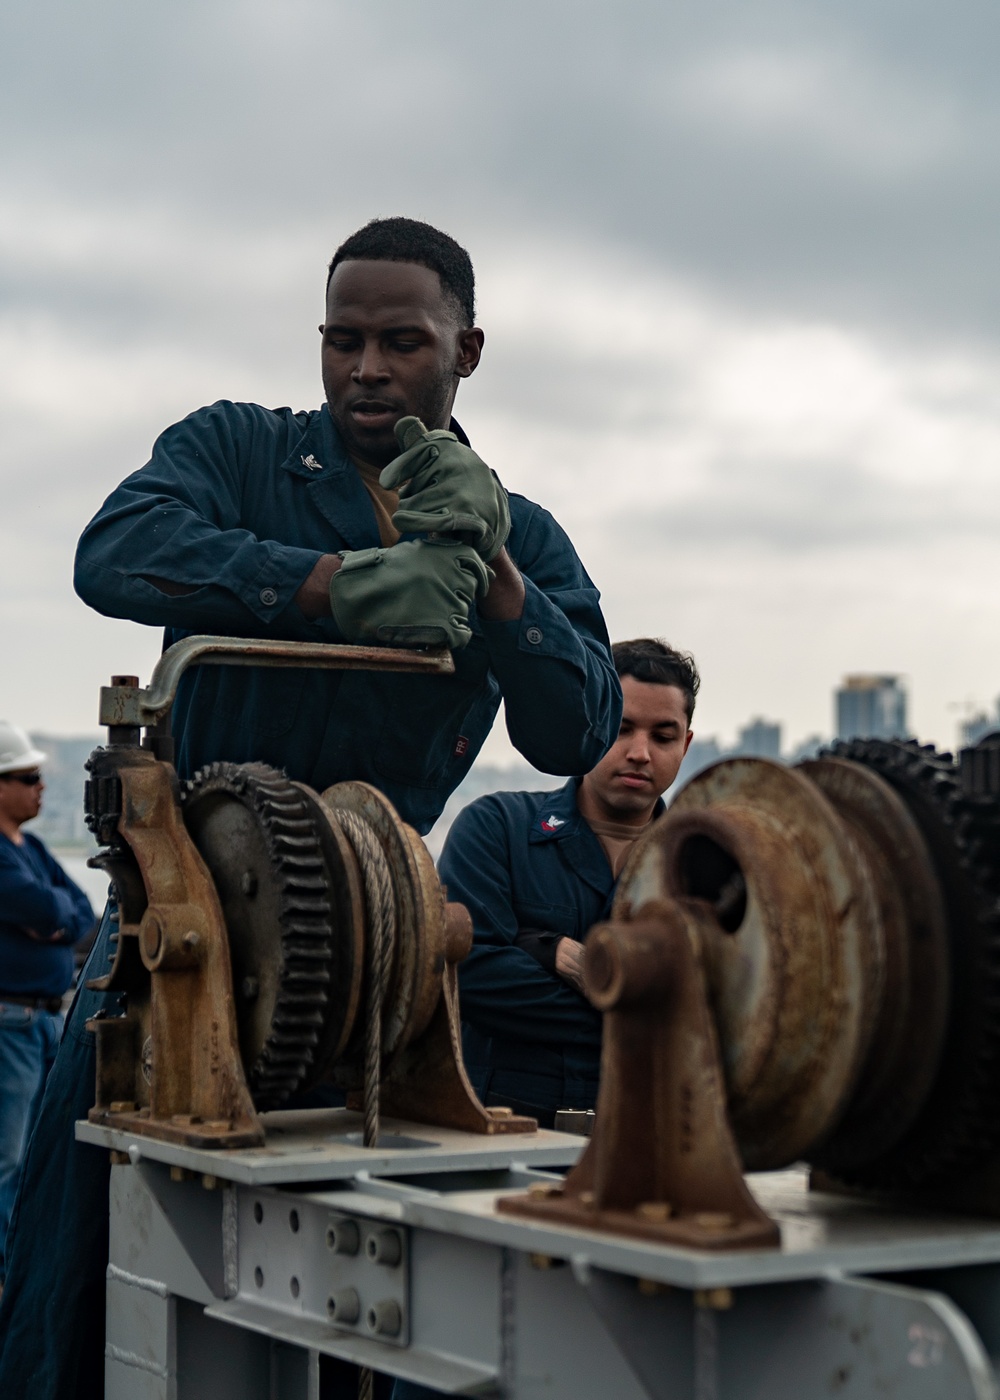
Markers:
{"x": 958, "y": 1126}
{"x": 285, "y": 885}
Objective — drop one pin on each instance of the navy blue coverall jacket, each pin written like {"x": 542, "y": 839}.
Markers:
{"x": 237, "y": 505}
{"x": 37, "y": 894}
{"x": 527, "y": 861}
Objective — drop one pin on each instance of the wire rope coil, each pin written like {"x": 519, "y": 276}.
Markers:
{"x": 380, "y": 928}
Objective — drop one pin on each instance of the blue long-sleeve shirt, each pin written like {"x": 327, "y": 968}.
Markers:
{"x": 236, "y": 506}
{"x": 42, "y": 914}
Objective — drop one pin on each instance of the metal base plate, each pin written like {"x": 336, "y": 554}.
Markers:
{"x": 315, "y": 1145}
{"x": 821, "y": 1235}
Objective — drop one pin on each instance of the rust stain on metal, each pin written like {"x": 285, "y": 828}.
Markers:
{"x": 188, "y": 1008}
{"x": 643, "y": 1172}
{"x": 908, "y": 1030}
{"x": 171, "y": 1066}
{"x": 796, "y": 966}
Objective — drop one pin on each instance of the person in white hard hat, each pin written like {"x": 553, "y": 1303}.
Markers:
{"x": 42, "y": 914}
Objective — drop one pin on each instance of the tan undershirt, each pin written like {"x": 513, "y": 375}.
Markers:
{"x": 617, "y": 840}
{"x": 384, "y": 503}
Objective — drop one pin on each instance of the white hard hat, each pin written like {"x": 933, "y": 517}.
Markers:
{"x": 16, "y": 749}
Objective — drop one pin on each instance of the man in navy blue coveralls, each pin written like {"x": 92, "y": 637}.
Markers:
{"x": 537, "y": 870}
{"x": 42, "y": 914}
{"x": 238, "y": 525}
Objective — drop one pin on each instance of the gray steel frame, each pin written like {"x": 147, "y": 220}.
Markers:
{"x": 224, "y": 1292}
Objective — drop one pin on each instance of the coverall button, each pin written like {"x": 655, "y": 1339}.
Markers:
{"x": 268, "y": 597}
{"x": 533, "y": 635}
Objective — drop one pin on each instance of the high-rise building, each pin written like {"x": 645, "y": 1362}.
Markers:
{"x": 761, "y": 738}
{"x": 976, "y": 727}
{"x": 871, "y": 707}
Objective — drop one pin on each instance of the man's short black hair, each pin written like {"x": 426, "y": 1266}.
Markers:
{"x": 409, "y": 240}
{"x": 651, "y": 660}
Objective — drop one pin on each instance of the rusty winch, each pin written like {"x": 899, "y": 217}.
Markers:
{"x": 803, "y": 966}
{"x": 270, "y": 938}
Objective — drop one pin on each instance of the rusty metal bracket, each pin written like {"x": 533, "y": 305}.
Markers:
{"x": 662, "y": 1163}
{"x": 197, "y": 1092}
{"x": 428, "y": 1083}
{"x": 171, "y": 1067}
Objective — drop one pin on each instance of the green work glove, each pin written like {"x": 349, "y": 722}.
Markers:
{"x": 444, "y": 488}
{"x": 416, "y": 594}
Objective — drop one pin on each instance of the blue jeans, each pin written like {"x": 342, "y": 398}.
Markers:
{"x": 52, "y": 1310}
{"x": 29, "y": 1040}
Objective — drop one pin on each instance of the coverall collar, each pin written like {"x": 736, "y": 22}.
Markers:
{"x": 321, "y": 459}
{"x": 558, "y": 818}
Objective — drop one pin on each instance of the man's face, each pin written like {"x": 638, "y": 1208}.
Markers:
{"x": 19, "y": 802}
{"x": 392, "y": 346}
{"x": 643, "y": 761}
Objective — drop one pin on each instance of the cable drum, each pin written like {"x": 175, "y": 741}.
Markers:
{"x": 336, "y": 926}
{"x": 957, "y": 1127}
{"x": 794, "y": 956}
{"x": 849, "y": 932}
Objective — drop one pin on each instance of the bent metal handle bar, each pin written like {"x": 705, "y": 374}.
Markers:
{"x": 127, "y": 705}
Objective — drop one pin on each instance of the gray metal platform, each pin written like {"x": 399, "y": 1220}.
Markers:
{"x": 325, "y": 1145}
{"x": 822, "y": 1235}
{"x": 228, "y": 1293}
{"x": 462, "y": 1174}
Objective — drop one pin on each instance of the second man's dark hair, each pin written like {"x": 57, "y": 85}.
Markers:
{"x": 409, "y": 240}
{"x": 651, "y": 660}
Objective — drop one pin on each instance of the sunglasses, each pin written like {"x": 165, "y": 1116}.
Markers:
{"x": 28, "y": 779}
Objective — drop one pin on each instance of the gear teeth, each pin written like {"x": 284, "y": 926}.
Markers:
{"x": 305, "y": 918}
{"x": 959, "y": 1127}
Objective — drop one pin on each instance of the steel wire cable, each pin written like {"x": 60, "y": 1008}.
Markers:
{"x": 380, "y": 929}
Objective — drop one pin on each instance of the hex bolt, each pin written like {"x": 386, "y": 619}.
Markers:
{"x": 248, "y": 883}
{"x": 250, "y": 989}
{"x": 384, "y": 1247}
{"x": 385, "y": 1319}
{"x": 343, "y": 1237}
{"x": 344, "y": 1306}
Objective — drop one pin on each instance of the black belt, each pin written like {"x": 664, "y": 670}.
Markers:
{"x": 52, "y": 1004}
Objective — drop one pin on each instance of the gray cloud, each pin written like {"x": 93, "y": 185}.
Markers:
{"x": 173, "y": 179}
{"x": 828, "y": 161}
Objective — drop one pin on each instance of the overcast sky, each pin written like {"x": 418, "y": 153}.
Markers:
{"x": 737, "y": 271}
